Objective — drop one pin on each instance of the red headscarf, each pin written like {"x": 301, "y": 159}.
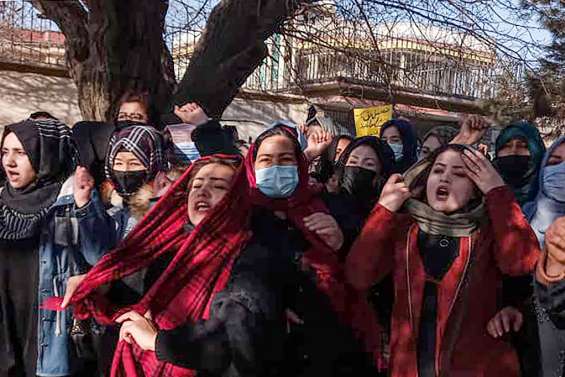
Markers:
{"x": 202, "y": 261}
{"x": 351, "y": 306}
{"x": 200, "y": 268}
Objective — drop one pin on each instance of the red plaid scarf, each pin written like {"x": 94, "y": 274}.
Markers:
{"x": 200, "y": 268}
{"x": 202, "y": 263}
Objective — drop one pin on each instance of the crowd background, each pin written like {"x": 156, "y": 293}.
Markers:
{"x": 166, "y": 246}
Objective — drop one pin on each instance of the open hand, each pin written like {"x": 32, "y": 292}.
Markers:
{"x": 481, "y": 171}
{"x": 318, "y": 142}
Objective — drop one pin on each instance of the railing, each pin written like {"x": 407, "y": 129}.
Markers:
{"x": 26, "y": 38}
{"x": 400, "y": 64}
{"x": 399, "y": 70}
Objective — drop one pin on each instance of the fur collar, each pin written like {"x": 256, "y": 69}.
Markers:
{"x": 138, "y": 204}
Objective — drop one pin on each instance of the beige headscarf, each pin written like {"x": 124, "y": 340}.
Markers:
{"x": 460, "y": 224}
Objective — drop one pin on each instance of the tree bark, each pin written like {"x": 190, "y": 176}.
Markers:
{"x": 113, "y": 47}
{"x": 231, "y": 48}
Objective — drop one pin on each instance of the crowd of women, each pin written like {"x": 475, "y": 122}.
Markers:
{"x": 140, "y": 249}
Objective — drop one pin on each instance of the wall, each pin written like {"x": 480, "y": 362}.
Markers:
{"x": 24, "y": 93}
{"x": 251, "y": 116}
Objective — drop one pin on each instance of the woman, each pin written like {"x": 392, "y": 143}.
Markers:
{"x": 519, "y": 151}
{"x": 328, "y": 161}
{"x": 549, "y": 285}
{"x": 200, "y": 238}
{"x": 40, "y": 248}
{"x": 362, "y": 169}
{"x": 134, "y": 162}
{"x": 549, "y": 203}
{"x": 289, "y": 216}
{"x": 435, "y": 138}
{"x": 399, "y": 134}
{"x": 460, "y": 235}
{"x": 135, "y": 107}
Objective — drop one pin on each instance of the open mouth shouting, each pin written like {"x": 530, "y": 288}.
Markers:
{"x": 442, "y": 193}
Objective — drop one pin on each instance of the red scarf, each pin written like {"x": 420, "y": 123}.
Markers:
{"x": 202, "y": 262}
{"x": 351, "y": 306}
{"x": 199, "y": 269}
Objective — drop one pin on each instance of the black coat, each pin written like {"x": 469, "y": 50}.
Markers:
{"x": 550, "y": 312}
{"x": 245, "y": 333}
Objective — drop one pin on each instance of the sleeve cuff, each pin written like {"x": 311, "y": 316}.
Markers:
{"x": 499, "y": 192}
{"x": 82, "y": 211}
{"x": 160, "y": 345}
{"x": 541, "y": 274}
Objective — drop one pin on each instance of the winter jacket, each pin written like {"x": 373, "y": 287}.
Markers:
{"x": 468, "y": 294}
{"x": 64, "y": 251}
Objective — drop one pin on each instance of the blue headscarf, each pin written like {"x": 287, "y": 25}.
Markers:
{"x": 527, "y": 132}
{"x": 546, "y": 208}
{"x": 409, "y": 143}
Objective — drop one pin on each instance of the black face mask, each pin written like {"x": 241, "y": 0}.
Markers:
{"x": 129, "y": 181}
{"x": 515, "y": 170}
{"x": 358, "y": 182}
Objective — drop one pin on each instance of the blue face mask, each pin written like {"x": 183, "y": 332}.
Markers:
{"x": 554, "y": 181}
{"x": 277, "y": 181}
{"x": 398, "y": 150}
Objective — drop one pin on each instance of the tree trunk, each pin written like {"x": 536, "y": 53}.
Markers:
{"x": 231, "y": 48}
{"x": 117, "y": 46}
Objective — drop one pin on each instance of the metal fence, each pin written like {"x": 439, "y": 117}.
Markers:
{"x": 27, "y": 38}
{"x": 401, "y": 64}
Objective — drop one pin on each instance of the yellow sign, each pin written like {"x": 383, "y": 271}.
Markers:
{"x": 368, "y": 121}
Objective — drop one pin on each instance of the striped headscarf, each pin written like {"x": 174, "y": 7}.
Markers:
{"x": 53, "y": 156}
{"x": 146, "y": 144}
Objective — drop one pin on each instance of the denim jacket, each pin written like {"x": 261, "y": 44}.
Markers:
{"x": 64, "y": 252}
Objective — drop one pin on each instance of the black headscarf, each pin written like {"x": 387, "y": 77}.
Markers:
{"x": 92, "y": 139}
{"x": 409, "y": 142}
{"x": 327, "y": 164}
{"x": 364, "y": 194}
{"x": 52, "y": 155}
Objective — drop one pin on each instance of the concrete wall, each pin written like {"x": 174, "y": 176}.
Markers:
{"x": 251, "y": 116}
{"x": 24, "y": 93}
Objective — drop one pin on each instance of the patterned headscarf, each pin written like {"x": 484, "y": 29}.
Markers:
{"x": 145, "y": 142}
{"x": 53, "y": 156}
